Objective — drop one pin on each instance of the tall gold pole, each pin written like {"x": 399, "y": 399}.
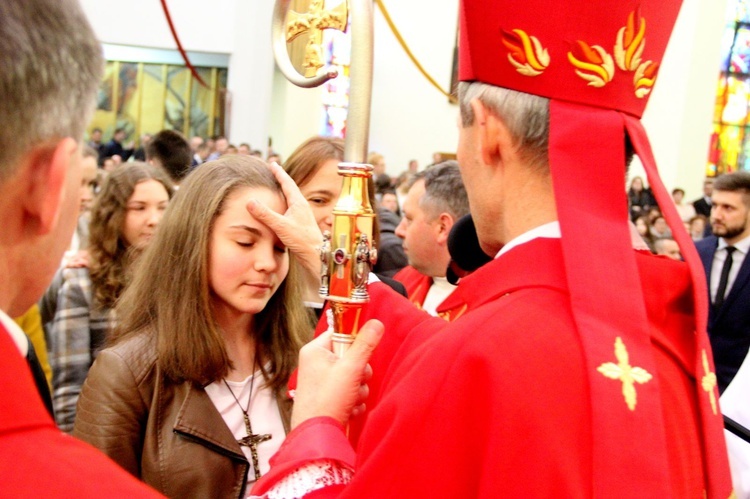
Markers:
{"x": 348, "y": 254}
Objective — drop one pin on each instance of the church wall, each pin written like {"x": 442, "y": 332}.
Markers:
{"x": 202, "y": 26}
{"x": 410, "y": 119}
{"x": 680, "y": 113}
{"x": 220, "y": 26}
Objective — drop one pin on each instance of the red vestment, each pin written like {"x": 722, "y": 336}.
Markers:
{"x": 418, "y": 285}
{"x": 37, "y": 459}
{"x": 497, "y": 403}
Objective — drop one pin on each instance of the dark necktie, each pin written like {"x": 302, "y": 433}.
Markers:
{"x": 721, "y": 291}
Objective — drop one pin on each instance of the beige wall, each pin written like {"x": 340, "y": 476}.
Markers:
{"x": 679, "y": 116}
{"x": 411, "y": 120}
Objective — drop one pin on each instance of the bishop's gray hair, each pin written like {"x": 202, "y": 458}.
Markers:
{"x": 525, "y": 115}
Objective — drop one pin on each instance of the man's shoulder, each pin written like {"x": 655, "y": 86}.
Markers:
{"x": 409, "y": 274}
{"x": 514, "y": 319}
{"x": 707, "y": 244}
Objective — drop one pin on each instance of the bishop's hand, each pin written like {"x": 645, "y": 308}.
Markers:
{"x": 297, "y": 227}
{"x": 332, "y": 386}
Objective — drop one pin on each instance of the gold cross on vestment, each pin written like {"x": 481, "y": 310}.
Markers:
{"x": 252, "y": 440}
{"x": 313, "y": 23}
{"x": 708, "y": 382}
{"x": 624, "y": 372}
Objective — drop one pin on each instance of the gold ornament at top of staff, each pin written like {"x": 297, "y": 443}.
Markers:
{"x": 313, "y": 23}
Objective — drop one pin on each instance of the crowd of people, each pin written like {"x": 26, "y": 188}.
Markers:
{"x": 168, "y": 314}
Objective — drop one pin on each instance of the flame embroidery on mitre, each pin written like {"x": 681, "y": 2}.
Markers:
{"x": 592, "y": 63}
{"x": 644, "y": 78}
{"x": 526, "y": 52}
{"x": 630, "y": 43}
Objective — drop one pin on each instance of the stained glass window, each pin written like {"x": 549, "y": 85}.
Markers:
{"x": 730, "y": 140}
{"x": 336, "y": 92}
{"x": 158, "y": 92}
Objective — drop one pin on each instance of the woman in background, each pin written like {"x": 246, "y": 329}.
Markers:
{"x": 314, "y": 168}
{"x": 124, "y": 219}
{"x": 640, "y": 198}
{"x": 644, "y": 230}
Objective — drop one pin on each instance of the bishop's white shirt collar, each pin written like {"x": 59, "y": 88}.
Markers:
{"x": 549, "y": 230}
{"x": 16, "y": 333}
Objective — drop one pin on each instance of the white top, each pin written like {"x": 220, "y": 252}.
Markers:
{"x": 438, "y": 292}
{"x": 549, "y": 230}
{"x": 16, "y": 333}
{"x": 720, "y": 256}
{"x": 265, "y": 417}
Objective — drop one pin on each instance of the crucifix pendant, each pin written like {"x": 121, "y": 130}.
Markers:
{"x": 252, "y": 441}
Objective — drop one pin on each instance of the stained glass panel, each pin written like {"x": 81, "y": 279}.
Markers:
{"x": 146, "y": 98}
{"x": 337, "y": 46}
{"x": 730, "y": 142}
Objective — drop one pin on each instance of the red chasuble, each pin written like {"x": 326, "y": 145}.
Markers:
{"x": 497, "y": 403}
{"x": 36, "y": 458}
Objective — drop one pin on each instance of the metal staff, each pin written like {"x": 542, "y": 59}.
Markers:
{"x": 348, "y": 254}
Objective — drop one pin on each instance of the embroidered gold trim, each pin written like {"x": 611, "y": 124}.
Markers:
{"x": 630, "y": 43}
{"x": 526, "y": 54}
{"x": 644, "y": 78}
{"x": 625, "y": 373}
{"x": 593, "y": 64}
{"x": 447, "y": 314}
{"x": 708, "y": 382}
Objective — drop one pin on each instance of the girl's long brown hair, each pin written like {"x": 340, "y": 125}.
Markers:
{"x": 169, "y": 297}
{"x": 109, "y": 253}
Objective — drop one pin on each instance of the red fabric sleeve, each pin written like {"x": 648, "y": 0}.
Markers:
{"x": 317, "y": 439}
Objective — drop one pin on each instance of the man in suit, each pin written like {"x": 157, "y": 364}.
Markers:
{"x": 115, "y": 148}
{"x": 702, "y": 205}
{"x": 728, "y": 273}
{"x": 48, "y": 87}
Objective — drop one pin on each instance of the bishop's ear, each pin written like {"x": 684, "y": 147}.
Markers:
{"x": 495, "y": 138}
{"x": 45, "y": 173}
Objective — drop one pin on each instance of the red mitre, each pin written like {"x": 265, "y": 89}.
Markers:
{"x": 597, "y": 62}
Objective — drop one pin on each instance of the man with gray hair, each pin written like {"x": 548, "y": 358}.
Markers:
{"x": 581, "y": 367}
{"x": 50, "y": 67}
{"x": 435, "y": 201}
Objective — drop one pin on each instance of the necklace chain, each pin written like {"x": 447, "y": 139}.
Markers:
{"x": 245, "y": 411}
{"x": 251, "y": 440}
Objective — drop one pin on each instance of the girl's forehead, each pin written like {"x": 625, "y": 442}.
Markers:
{"x": 236, "y": 203}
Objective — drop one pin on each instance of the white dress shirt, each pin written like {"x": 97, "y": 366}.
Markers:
{"x": 720, "y": 257}
{"x": 438, "y": 292}
{"x": 549, "y": 230}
